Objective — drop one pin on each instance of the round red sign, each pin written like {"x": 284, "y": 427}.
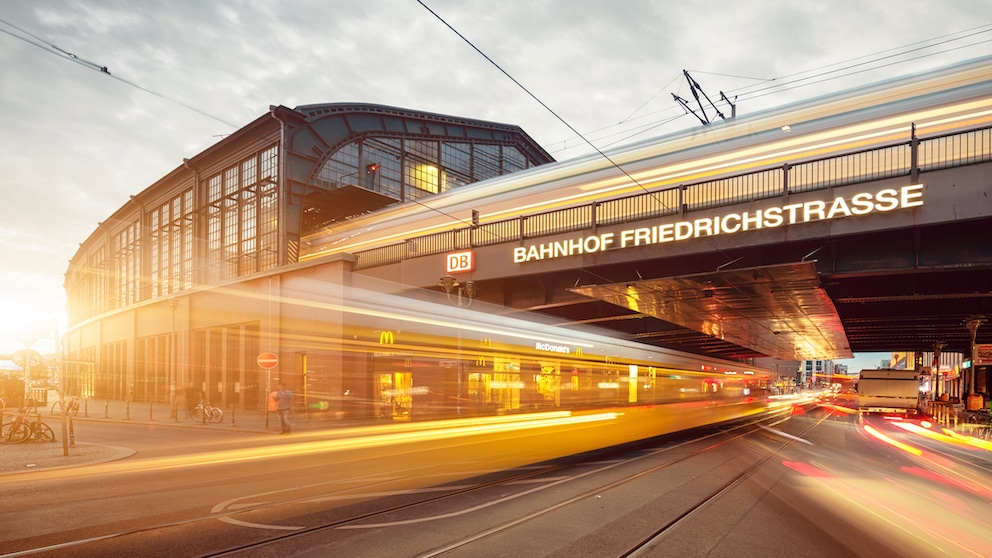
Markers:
{"x": 267, "y": 360}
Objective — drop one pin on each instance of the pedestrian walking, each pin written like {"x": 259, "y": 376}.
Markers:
{"x": 284, "y": 402}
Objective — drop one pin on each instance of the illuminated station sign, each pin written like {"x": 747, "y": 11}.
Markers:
{"x": 865, "y": 203}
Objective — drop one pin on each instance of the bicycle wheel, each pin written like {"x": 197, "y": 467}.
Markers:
{"x": 43, "y": 433}
{"x": 216, "y": 414}
{"x": 196, "y": 414}
{"x": 57, "y": 409}
{"x": 14, "y": 432}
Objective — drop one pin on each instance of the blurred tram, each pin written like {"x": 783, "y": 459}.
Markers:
{"x": 928, "y": 105}
{"x": 437, "y": 374}
{"x": 416, "y": 358}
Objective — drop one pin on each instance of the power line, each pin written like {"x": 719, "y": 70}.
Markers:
{"x": 858, "y": 68}
{"x": 48, "y": 46}
{"x": 532, "y": 96}
{"x": 770, "y": 86}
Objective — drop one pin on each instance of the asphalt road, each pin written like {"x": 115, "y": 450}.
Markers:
{"x": 805, "y": 485}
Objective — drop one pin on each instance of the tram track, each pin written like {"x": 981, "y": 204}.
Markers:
{"x": 386, "y": 515}
{"x": 651, "y": 541}
{"x": 646, "y": 544}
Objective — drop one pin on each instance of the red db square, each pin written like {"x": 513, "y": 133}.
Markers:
{"x": 460, "y": 261}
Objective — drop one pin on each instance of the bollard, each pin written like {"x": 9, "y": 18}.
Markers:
{"x": 127, "y": 410}
{"x": 232, "y": 416}
{"x": 72, "y": 435}
{"x": 150, "y": 417}
{"x": 106, "y": 409}
{"x": 86, "y": 408}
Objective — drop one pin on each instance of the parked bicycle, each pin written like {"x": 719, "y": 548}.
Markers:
{"x": 70, "y": 404}
{"x": 205, "y": 412}
{"x": 984, "y": 431}
{"x": 22, "y": 428}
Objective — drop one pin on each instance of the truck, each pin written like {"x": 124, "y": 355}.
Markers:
{"x": 889, "y": 391}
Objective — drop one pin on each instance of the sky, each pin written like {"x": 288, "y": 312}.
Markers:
{"x": 77, "y": 140}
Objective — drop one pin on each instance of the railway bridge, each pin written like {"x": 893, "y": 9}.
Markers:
{"x": 882, "y": 249}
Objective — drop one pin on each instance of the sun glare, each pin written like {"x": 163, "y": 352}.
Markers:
{"x": 27, "y": 326}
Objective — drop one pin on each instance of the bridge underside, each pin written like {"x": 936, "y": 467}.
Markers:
{"x": 901, "y": 290}
{"x": 778, "y": 310}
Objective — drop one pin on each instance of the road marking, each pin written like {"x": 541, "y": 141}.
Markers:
{"x": 337, "y": 497}
{"x": 233, "y": 521}
{"x": 784, "y": 435}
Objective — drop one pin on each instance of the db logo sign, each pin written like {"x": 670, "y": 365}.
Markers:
{"x": 460, "y": 261}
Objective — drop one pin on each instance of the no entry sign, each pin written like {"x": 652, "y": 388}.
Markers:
{"x": 267, "y": 360}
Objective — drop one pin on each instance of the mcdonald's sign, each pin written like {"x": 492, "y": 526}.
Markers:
{"x": 386, "y": 338}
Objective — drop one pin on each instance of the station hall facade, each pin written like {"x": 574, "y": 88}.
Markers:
{"x": 180, "y": 290}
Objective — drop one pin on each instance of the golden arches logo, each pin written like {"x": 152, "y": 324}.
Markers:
{"x": 578, "y": 351}
{"x": 386, "y": 338}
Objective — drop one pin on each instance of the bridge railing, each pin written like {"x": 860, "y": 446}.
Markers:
{"x": 901, "y": 159}
{"x": 638, "y": 206}
{"x": 860, "y": 166}
{"x": 956, "y": 150}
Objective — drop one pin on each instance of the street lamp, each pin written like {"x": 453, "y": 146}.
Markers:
{"x": 974, "y": 402}
{"x": 938, "y": 346}
{"x": 26, "y": 363}
{"x": 449, "y": 284}
{"x": 173, "y": 412}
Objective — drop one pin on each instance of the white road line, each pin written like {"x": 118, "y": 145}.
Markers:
{"x": 784, "y": 435}
{"x": 337, "y": 497}
{"x": 233, "y": 521}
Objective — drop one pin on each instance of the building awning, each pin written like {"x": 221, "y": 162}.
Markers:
{"x": 323, "y": 207}
{"x": 9, "y": 366}
{"x": 781, "y": 311}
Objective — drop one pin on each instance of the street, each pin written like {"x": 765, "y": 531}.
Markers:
{"x": 812, "y": 484}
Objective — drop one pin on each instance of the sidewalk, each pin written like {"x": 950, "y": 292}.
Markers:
{"x": 35, "y": 456}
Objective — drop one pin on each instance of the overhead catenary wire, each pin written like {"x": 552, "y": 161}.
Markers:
{"x": 48, "y": 46}
{"x": 811, "y": 76}
{"x": 852, "y": 69}
{"x": 886, "y": 54}
{"x": 539, "y": 101}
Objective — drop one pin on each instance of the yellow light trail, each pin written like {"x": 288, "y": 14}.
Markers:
{"x": 894, "y": 443}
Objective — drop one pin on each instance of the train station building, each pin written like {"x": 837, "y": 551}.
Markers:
{"x": 151, "y": 314}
